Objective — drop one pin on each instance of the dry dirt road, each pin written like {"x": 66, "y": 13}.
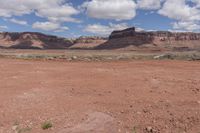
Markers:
{"x": 99, "y": 97}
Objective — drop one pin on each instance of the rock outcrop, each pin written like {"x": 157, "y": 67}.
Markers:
{"x": 155, "y": 40}
{"x": 88, "y": 42}
{"x": 128, "y": 39}
{"x": 32, "y": 40}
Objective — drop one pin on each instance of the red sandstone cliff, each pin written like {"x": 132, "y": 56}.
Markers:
{"x": 30, "y": 40}
{"x": 88, "y": 42}
{"x": 127, "y": 39}
{"x": 158, "y": 40}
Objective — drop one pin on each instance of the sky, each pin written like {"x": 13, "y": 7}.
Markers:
{"x": 74, "y": 18}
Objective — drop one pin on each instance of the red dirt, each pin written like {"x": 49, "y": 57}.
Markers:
{"x": 80, "y": 97}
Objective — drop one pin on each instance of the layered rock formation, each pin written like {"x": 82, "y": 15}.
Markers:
{"x": 30, "y": 40}
{"x": 155, "y": 40}
{"x": 128, "y": 39}
{"x": 88, "y": 42}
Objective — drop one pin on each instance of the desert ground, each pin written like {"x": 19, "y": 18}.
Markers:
{"x": 129, "y": 96}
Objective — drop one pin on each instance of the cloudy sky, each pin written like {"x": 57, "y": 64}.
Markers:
{"x": 72, "y": 18}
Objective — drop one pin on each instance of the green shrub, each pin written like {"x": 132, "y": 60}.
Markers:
{"x": 46, "y": 125}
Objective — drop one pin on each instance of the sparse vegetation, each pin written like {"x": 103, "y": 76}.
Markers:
{"x": 23, "y": 130}
{"x": 88, "y": 56}
{"x": 16, "y": 127}
{"x": 46, "y": 125}
{"x": 134, "y": 130}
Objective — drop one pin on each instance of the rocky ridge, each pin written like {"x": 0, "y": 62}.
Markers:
{"x": 32, "y": 40}
{"x": 88, "y": 42}
{"x": 153, "y": 40}
{"x": 128, "y": 39}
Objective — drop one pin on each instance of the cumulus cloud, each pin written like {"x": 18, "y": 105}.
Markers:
{"x": 189, "y": 26}
{"x": 16, "y": 21}
{"x": 57, "y": 11}
{"x": 197, "y": 2}
{"x": 184, "y": 13}
{"x": 110, "y": 9}
{"x": 53, "y": 10}
{"x": 178, "y": 9}
{"x": 149, "y": 4}
{"x": 3, "y": 27}
{"x": 49, "y": 26}
{"x": 187, "y": 16}
{"x": 104, "y": 29}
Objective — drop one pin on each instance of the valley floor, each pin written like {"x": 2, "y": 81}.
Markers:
{"x": 101, "y": 97}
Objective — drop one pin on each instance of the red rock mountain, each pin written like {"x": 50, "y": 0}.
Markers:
{"x": 88, "y": 42}
{"x": 128, "y": 39}
{"x": 32, "y": 40}
{"x": 156, "y": 40}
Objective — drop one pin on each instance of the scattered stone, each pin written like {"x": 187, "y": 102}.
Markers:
{"x": 164, "y": 56}
{"x": 149, "y": 129}
{"x": 139, "y": 113}
{"x": 15, "y": 127}
{"x": 109, "y": 58}
{"x": 74, "y": 57}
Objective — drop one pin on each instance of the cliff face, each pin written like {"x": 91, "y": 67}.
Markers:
{"x": 127, "y": 39}
{"x": 88, "y": 42}
{"x": 30, "y": 40}
{"x": 158, "y": 40}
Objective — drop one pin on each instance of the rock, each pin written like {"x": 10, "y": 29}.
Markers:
{"x": 74, "y": 57}
{"x": 122, "y": 112}
{"x": 153, "y": 40}
{"x": 139, "y": 113}
{"x": 32, "y": 40}
{"x": 164, "y": 56}
{"x": 88, "y": 42}
{"x": 89, "y": 39}
{"x": 149, "y": 129}
{"x": 109, "y": 58}
{"x": 15, "y": 127}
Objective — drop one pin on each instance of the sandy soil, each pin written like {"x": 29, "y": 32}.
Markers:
{"x": 100, "y": 97}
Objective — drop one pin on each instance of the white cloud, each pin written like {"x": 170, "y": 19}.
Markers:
{"x": 110, "y": 9}
{"x": 104, "y": 29}
{"x": 57, "y": 11}
{"x": 149, "y": 4}
{"x": 16, "y": 21}
{"x": 197, "y": 2}
{"x": 9, "y": 8}
{"x": 187, "y": 15}
{"x": 138, "y": 29}
{"x": 3, "y": 27}
{"x": 53, "y": 10}
{"x": 49, "y": 26}
{"x": 178, "y": 9}
{"x": 188, "y": 26}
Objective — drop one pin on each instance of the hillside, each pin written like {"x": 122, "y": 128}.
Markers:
{"x": 130, "y": 39}
{"x": 32, "y": 40}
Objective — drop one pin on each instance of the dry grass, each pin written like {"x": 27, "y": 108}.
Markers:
{"x": 91, "y": 55}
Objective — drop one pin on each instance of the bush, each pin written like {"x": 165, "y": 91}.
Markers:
{"x": 46, "y": 125}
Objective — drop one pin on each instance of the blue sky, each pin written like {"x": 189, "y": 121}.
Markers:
{"x": 73, "y": 18}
